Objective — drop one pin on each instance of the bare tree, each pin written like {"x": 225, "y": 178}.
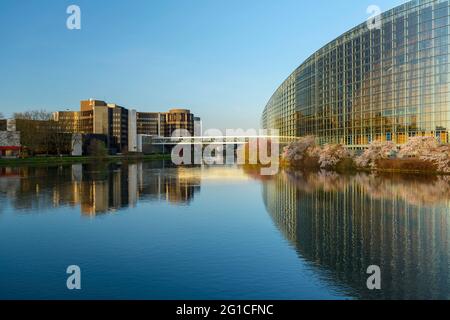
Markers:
{"x": 35, "y": 130}
{"x": 41, "y": 133}
{"x": 3, "y": 138}
{"x": 97, "y": 148}
{"x": 61, "y": 136}
{"x": 37, "y": 115}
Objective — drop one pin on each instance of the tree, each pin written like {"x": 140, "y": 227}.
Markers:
{"x": 418, "y": 146}
{"x": 42, "y": 134}
{"x": 377, "y": 151}
{"x": 39, "y": 115}
{"x": 97, "y": 149}
{"x": 440, "y": 157}
{"x": 35, "y": 130}
{"x": 299, "y": 150}
{"x": 59, "y": 137}
{"x": 332, "y": 154}
{"x": 427, "y": 149}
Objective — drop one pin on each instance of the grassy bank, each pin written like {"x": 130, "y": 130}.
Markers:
{"x": 74, "y": 160}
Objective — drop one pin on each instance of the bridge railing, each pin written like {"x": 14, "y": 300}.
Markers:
{"x": 218, "y": 139}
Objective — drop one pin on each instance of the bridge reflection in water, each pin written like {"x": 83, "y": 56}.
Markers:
{"x": 343, "y": 224}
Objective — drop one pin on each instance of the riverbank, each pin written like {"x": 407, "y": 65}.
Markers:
{"x": 12, "y": 162}
{"x": 348, "y": 166}
{"x": 419, "y": 155}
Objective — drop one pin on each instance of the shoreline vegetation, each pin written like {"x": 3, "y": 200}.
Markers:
{"x": 420, "y": 155}
{"x": 55, "y": 160}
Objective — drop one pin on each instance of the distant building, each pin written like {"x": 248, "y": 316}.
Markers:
{"x": 3, "y": 124}
{"x": 99, "y": 118}
{"x": 198, "y": 127}
{"x": 163, "y": 124}
{"x": 7, "y": 125}
{"x": 10, "y": 145}
{"x": 132, "y": 131}
{"x": 121, "y": 126}
{"x": 150, "y": 123}
{"x": 179, "y": 119}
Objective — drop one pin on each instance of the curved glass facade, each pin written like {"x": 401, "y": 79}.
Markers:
{"x": 386, "y": 83}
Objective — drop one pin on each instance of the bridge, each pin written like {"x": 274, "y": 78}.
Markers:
{"x": 150, "y": 144}
{"x": 208, "y": 140}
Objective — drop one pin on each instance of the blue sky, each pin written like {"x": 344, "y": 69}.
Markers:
{"x": 223, "y": 59}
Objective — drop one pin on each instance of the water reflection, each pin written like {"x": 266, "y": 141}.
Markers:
{"x": 96, "y": 189}
{"x": 338, "y": 224}
{"x": 343, "y": 224}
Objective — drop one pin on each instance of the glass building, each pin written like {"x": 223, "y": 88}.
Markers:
{"x": 385, "y": 82}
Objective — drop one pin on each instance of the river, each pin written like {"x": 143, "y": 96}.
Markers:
{"x": 153, "y": 231}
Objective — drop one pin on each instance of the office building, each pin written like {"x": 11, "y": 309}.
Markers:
{"x": 96, "y": 117}
{"x": 386, "y": 83}
{"x": 163, "y": 124}
{"x": 150, "y": 123}
{"x": 121, "y": 127}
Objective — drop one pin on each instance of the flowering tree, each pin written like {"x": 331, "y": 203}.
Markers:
{"x": 297, "y": 151}
{"x": 314, "y": 151}
{"x": 440, "y": 157}
{"x": 332, "y": 154}
{"x": 417, "y": 147}
{"x": 377, "y": 150}
{"x": 428, "y": 149}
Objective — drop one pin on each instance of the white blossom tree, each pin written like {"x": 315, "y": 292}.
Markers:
{"x": 377, "y": 151}
{"x": 440, "y": 157}
{"x": 332, "y": 154}
{"x": 298, "y": 150}
{"x": 417, "y": 147}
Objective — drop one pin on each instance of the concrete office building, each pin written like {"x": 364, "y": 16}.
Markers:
{"x": 163, "y": 124}
{"x": 122, "y": 127}
{"x": 179, "y": 119}
{"x": 198, "y": 127}
{"x": 150, "y": 123}
{"x": 96, "y": 117}
{"x": 132, "y": 131}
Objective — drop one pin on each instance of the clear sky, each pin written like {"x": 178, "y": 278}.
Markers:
{"x": 222, "y": 59}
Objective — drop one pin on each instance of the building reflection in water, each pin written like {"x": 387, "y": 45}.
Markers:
{"x": 96, "y": 189}
{"x": 343, "y": 224}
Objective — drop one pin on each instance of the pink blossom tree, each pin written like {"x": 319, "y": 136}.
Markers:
{"x": 417, "y": 147}
{"x": 297, "y": 151}
{"x": 332, "y": 154}
{"x": 377, "y": 151}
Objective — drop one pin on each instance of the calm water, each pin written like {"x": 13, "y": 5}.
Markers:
{"x": 149, "y": 231}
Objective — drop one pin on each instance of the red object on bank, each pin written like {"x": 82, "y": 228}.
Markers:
{"x": 10, "y": 148}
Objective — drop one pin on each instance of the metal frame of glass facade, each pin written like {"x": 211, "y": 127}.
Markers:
{"x": 385, "y": 84}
